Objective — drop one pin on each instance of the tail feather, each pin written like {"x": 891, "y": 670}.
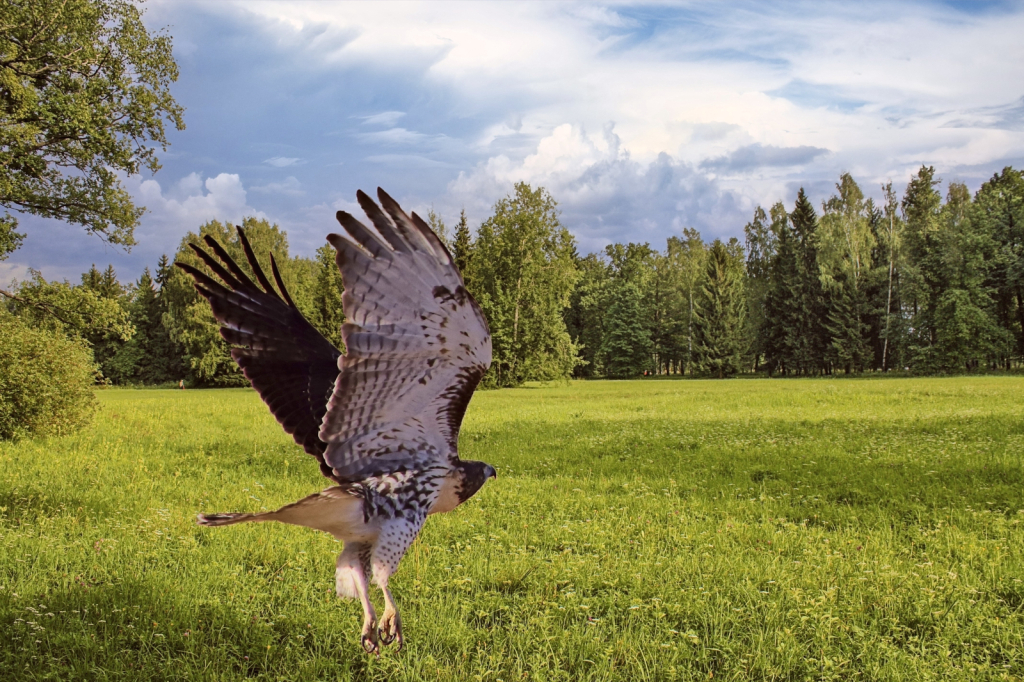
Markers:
{"x": 338, "y": 510}
{"x": 225, "y": 519}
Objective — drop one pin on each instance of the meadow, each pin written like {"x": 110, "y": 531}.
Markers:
{"x": 649, "y": 530}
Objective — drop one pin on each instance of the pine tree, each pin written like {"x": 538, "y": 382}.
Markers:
{"x": 327, "y": 314}
{"x": 165, "y": 356}
{"x": 848, "y": 347}
{"x": 686, "y": 259}
{"x": 922, "y": 275}
{"x": 106, "y": 344}
{"x": 626, "y": 348}
{"x": 999, "y": 211}
{"x": 462, "y": 247}
{"x": 845, "y": 243}
{"x": 438, "y": 226}
{"x": 808, "y": 337}
{"x": 781, "y": 298}
{"x": 967, "y": 335}
{"x": 722, "y": 310}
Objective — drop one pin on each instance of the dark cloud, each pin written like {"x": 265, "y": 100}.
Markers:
{"x": 623, "y": 200}
{"x": 758, "y": 156}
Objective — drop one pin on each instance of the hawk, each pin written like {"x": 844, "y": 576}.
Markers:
{"x": 382, "y": 419}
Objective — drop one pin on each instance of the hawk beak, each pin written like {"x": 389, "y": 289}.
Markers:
{"x": 489, "y": 472}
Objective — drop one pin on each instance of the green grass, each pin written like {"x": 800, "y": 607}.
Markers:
{"x": 757, "y": 530}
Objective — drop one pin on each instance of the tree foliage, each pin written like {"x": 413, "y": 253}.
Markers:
{"x": 627, "y": 349}
{"x": 46, "y": 381}
{"x": 84, "y": 97}
{"x": 522, "y": 274}
{"x": 722, "y": 311}
{"x": 189, "y": 321}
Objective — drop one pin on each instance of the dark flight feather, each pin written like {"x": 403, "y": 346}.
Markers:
{"x": 289, "y": 363}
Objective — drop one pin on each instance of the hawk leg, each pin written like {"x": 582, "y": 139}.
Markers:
{"x": 395, "y": 538}
{"x": 390, "y": 626}
{"x": 351, "y": 581}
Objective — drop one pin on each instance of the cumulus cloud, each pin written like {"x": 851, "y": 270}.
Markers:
{"x": 604, "y": 194}
{"x": 718, "y": 106}
{"x": 61, "y": 250}
{"x": 221, "y": 197}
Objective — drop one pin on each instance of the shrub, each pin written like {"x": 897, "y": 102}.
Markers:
{"x": 46, "y": 381}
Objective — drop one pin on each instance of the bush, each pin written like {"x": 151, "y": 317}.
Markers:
{"x": 46, "y": 382}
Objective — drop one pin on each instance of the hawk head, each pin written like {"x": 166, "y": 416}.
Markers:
{"x": 474, "y": 475}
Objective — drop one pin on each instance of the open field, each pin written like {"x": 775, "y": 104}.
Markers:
{"x": 818, "y": 529}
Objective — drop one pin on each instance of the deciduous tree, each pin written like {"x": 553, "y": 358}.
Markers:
{"x": 84, "y": 99}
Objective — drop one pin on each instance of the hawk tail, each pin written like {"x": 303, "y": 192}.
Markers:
{"x": 226, "y": 519}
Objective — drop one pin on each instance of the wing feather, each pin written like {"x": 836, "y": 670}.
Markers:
{"x": 416, "y": 345}
{"x": 289, "y": 363}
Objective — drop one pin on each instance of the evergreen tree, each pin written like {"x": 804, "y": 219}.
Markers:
{"x": 164, "y": 362}
{"x": 965, "y": 333}
{"x": 462, "y": 246}
{"x": 781, "y": 303}
{"x": 626, "y": 348}
{"x": 845, "y": 246}
{"x": 808, "y": 337}
{"x": 438, "y": 226}
{"x": 636, "y": 264}
{"x": 722, "y": 309}
{"x": 999, "y": 211}
{"x": 327, "y": 314}
{"x": 922, "y": 276}
{"x": 847, "y": 331}
{"x": 107, "y": 344}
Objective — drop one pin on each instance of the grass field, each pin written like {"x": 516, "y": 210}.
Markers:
{"x": 659, "y": 530}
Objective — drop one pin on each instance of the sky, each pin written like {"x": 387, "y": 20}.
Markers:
{"x": 640, "y": 119}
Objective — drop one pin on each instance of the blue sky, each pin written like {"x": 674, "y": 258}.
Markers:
{"x": 640, "y": 119}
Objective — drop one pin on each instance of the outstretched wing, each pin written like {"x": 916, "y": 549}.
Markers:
{"x": 416, "y": 346}
{"x": 289, "y": 363}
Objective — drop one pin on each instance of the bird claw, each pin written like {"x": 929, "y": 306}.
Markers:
{"x": 369, "y": 643}
{"x": 368, "y": 639}
{"x": 390, "y": 630}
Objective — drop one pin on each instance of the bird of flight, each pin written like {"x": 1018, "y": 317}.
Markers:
{"x": 383, "y": 418}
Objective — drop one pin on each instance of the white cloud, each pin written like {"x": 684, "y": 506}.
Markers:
{"x": 756, "y": 94}
{"x": 62, "y": 250}
{"x": 393, "y": 137}
{"x": 283, "y": 161}
{"x": 290, "y": 186}
{"x": 384, "y": 118}
{"x": 603, "y": 193}
{"x": 224, "y": 199}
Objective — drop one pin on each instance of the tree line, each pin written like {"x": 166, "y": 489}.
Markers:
{"x": 920, "y": 283}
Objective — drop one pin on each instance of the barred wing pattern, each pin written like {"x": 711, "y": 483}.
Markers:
{"x": 416, "y": 346}
{"x": 289, "y": 363}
